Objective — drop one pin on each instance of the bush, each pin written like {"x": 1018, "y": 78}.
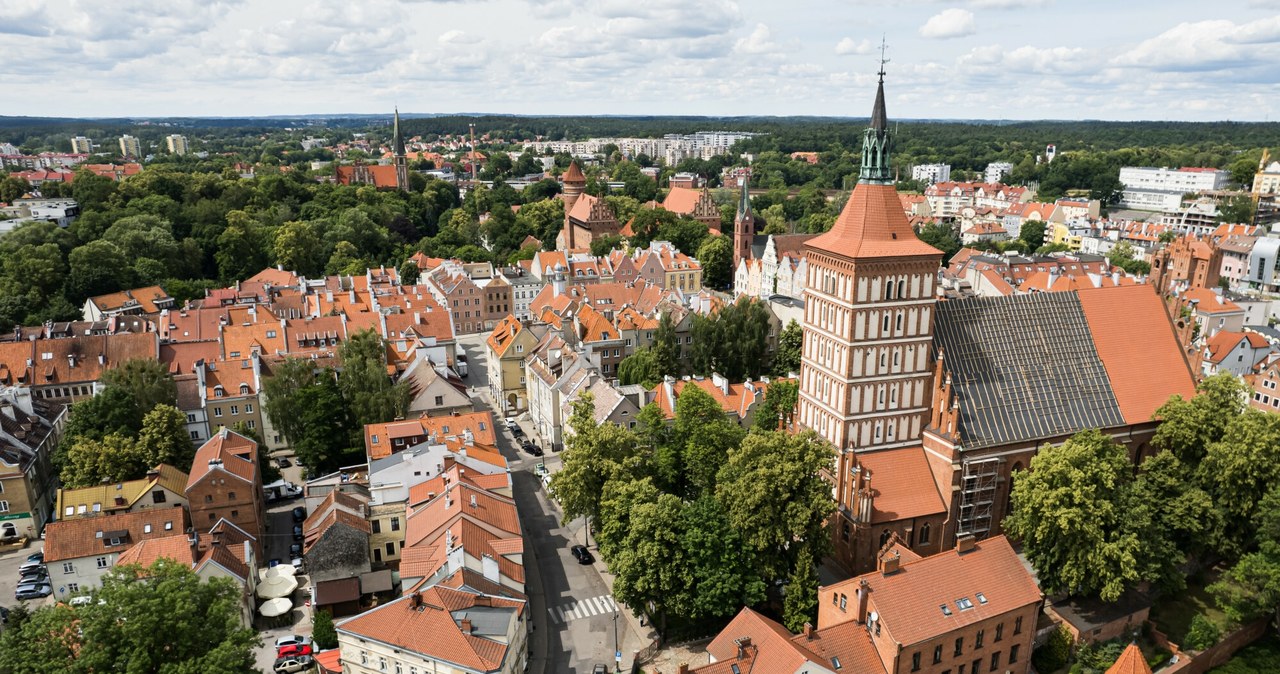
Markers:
{"x": 1202, "y": 634}
{"x": 1099, "y": 657}
{"x": 323, "y": 632}
{"x": 1053, "y": 655}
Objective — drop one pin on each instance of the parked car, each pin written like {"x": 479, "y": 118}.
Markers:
{"x": 582, "y": 554}
{"x": 291, "y": 639}
{"x": 299, "y": 514}
{"x": 293, "y": 650}
{"x": 297, "y": 532}
{"x": 35, "y": 576}
{"x": 36, "y": 557}
{"x": 531, "y": 448}
{"x": 292, "y": 664}
{"x": 33, "y": 591}
{"x": 461, "y": 365}
{"x": 297, "y": 564}
{"x": 284, "y": 462}
{"x": 31, "y": 564}
{"x": 599, "y": 669}
{"x": 540, "y": 470}
{"x": 295, "y": 551}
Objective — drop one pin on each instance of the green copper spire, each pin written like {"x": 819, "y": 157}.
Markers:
{"x": 876, "y": 142}
{"x": 744, "y": 200}
{"x": 398, "y": 138}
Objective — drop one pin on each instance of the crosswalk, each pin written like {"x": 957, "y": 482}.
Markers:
{"x": 582, "y": 608}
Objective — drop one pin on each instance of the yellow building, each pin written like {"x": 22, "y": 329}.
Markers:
{"x": 130, "y": 147}
{"x": 1267, "y": 180}
{"x": 510, "y": 343}
{"x": 176, "y": 143}
{"x": 81, "y": 145}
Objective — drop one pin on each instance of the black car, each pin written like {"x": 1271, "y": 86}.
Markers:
{"x": 297, "y": 532}
{"x": 299, "y": 514}
{"x": 581, "y": 554}
{"x": 531, "y": 448}
{"x": 295, "y": 551}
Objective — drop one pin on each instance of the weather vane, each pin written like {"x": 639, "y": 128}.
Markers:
{"x": 883, "y": 60}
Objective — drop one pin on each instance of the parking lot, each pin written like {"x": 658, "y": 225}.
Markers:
{"x": 9, "y": 563}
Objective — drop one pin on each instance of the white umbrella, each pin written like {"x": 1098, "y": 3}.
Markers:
{"x": 275, "y": 607}
{"x": 280, "y": 570}
{"x": 277, "y": 586}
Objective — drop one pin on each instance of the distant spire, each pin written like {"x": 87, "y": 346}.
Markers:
{"x": 397, "y": 141}
{"x": 876, "y": 142}
{"x": 744, "y": 201}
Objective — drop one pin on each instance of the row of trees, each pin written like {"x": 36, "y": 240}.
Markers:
{"x": 680, "y": 516}
{"x": 1090, "y": 525}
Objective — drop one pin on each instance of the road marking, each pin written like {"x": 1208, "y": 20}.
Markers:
{"x": 582, "y": 608}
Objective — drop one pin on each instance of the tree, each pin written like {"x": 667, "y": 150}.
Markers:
{"x": 280, "y": 393}
{"x": 115, "y": 458}
{"x": 716, "y": 257}
{"x": 162, "y": 618}
{"x": 1238, "y": 471}
{"x": 593, "y": 453}
{"x": 112, "y": 411}
{"x": 791, "y": 514}
{"x": 779, "y": 405}
{"x": 146, "y": 380}
{"x": 800, "y": 606}
{"x": 1121, "y": 256}
{"x": 943, "y": 237}
{"x": 323, "y": 631}
{"x": 666, "y": 347}
{"x": 327, "y": 439}
{"x": 299, "y": 246}
{"x": 600, "y": 246}
{"x": 786, "y": 359}
{"x": 649, "y": 570}
{"x": 1251, "y": 588}
{"x": 708, "y": 438}
{"x": 1079, "y": 519}
{"x": 641, "y": 367}
{"x": 408, "y": 272}
{"x": 1032, "y": 234}
{"x": 1179, "y": 507}
{"x": 1238, "y": 209}
{"x": 366, "y": 387}
{"x": 721, "y": 569}
{"x": 164, "y": 438}
{"x": 1190, "y": 426}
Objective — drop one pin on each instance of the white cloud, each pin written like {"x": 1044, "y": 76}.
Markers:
{"x": 995, "y": 59}
{"x": 949, "y": 23}
{"x": 759, "y": 42}
{"x": 848, "y": 45}
{"x": 457, "y": 37}
{"x": 1207, "y": 45}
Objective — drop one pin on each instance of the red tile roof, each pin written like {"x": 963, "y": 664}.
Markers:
{"x": 774, "y": 649}
{"x": 682, "y": 200}
{"x": 1131, "y": 661}
{"x": 86, "y": 536}
{"x": 903, "y": 484}
{"x": 176, "y": 547}
{"x": 226, "y": 452}
{"x": 872, "y": 224}
{"x": 1137, "y": 345}
{"x": 479, "y": 423}
{"x": 1210, "y": 302}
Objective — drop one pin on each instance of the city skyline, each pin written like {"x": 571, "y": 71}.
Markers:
{"x": 980, "y": 59}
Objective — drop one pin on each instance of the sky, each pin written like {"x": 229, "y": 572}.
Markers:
{"x": 952, "y": 59}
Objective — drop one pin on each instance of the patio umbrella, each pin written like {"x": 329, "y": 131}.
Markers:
{"x": 275, "y": 607}
{"x": 277, "y": 586}
{"x": 278, "y": 570}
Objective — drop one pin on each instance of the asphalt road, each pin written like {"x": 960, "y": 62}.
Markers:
{"x": 572, "y": 608}
{"x": 9, "y": 563}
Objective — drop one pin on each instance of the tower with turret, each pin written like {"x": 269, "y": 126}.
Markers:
{"x": 744, "y": 226}
{"x": 574, "y": 184}
{"x": 397, "y": 149}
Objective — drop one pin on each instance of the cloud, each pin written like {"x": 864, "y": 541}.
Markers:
{"x": 457, "y": 37}
{"x": 759, "y": 42}
{"x": 949, "y": 23}
{"x": 847, "y": 46}
{"x": 1008, "y": 4}
{"x": 1207, "y": 45}
{"x": 25, "y": 17}
{"x": 1031, "y": 60}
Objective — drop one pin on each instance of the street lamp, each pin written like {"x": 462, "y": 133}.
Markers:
{"x": 617, "y": 654}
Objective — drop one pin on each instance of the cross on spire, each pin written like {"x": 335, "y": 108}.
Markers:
{"x": 883, "y": 47}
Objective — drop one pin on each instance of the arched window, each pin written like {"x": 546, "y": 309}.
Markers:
{"x": 895, "y": 358}
{"x": 902, "y": 288}
{"x": 886, "y": 323}
{"x": 924, "y": 533}
{"x": 882, "y": 359}
{"x": 899, "y": 322}
{"x": 893, "y": 395}
{"x": 880, "y": 397}
{"x": 888, "y": 290}
{"x": 244, "y": 389}
{"x": 884, "y": 537}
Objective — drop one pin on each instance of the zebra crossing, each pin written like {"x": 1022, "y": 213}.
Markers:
{"x": 582, "y": 608}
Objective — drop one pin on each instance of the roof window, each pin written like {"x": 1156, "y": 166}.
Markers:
{"x": 964, "y": 604}
{"x": 946, "y": 610}
{"x": 982, "y": 598}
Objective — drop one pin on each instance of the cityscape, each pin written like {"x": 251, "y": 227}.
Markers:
{"x": 724, "y": 338}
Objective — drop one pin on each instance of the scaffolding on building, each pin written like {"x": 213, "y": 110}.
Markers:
{"x": 979, "y": 485}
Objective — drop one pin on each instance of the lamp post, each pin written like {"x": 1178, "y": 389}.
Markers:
{"x": 617, "y": 654}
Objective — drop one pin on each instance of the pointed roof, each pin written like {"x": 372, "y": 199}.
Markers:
{"x": 879, "y": 118}
{"x": 574, "y": 174}
{"x": 744, "y": 200}
{"x": 1130, "y": 661}
{"x": 872, "y": 224}
{"x": 397, "y": 139}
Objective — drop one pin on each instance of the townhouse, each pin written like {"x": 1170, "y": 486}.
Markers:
{"x": 78, "y": 552}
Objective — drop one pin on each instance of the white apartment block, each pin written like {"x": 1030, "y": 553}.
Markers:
{"x": 932, "y": 173}
{"x": 1162, "y": 189}
{"x": 997, "y": 171}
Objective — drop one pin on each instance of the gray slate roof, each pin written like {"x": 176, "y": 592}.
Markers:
{"x": 1023, "y": 367}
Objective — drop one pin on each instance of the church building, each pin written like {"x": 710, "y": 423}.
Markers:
{"x": 929, "y": 405}
{"x": 586, "y": 217}
{"x": 390, "y": 176}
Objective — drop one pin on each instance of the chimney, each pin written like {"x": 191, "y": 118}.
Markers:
{"x": 966, "y": 543}
{"x": 415, "y": 600}
{"x": 684, "y": 668}
{"x": 466, "y": 626}
{"x": 864, "y": 589}
{"x": 743, "y": 644}
{"x": 483, "y": 600}
{"x": 889, "y": 564}
{"x": 808, "y": 631}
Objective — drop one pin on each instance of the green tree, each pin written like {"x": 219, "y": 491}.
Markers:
{"x": 146, "y": 380}
{"x": 708, "y": 438}
{"x": 299, "y": 246}
{"x": 1238, "y": 471}
{"x": 593, "y": 454}
{"x": 327, "y": 440}
{"x": 778, "y": 522}
{"x": 366, "y": 387}
{"x": 239, "y": 254}
{"x": 114, "y": 458}
{"x": 600, "y": 246}
{"x": 786, "y": 359}
{"x": 1079, "y": 519}
{"x": 112, "y": 411}
{"x": 618, "y": 501}
{"x": 1237, "y": 209}
{"x": 649, "y": 569}
{"x": 280, "y": 392}
{"x": 1201, "y": 634}
{"x": 1121, "y": 256}
{"x": 1032, "y": 234}
{"x": 779, "y": 405}
{"x": 720, "y": 567}
{"x": 941, "y": 236}
{"x": 800, "y": 606}
{"x": 1251, "y": 588}
{"x": 716, "y": 257}
{"x": 1188, "y": 427}
{"x": 161, "y": 618}
{"x": 164, "y": 438}
{"x": 641, "y": 367}
{"x": 1178, "y": 506}
{"x": 408, "y": 272}
{"x": 323, "y": 631}
{"x": 666, "y": 346}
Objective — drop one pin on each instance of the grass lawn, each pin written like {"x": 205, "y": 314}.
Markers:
{"x": 1172, "y": 614}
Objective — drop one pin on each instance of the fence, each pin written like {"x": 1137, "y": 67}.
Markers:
{"x": 1203, "y": 661}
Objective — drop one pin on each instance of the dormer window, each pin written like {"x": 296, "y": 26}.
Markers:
{"x": 244, "y": 389}
{"x": 217, "y": 391}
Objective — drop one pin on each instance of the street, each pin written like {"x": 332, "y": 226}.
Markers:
{"x": 572, "y": 609}
{"x": 9, "y": 563}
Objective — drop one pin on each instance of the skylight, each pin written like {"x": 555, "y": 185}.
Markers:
{"x": 946, "y": 610}
{"x": 982, "y": 598}
{"x": 964, "y": 604}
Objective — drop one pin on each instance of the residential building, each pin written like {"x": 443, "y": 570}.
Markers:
{"x": 697, "y": 204}
{"x": 1264, "y": 265}
{"x": 553, "y": 371}
{"x": 149, "y": 301}
{"x": 440, "y": 629}
{"x": 435, "y": 390}
{"x": 1266, "y": 387}
{"x": 754, "y": 643}
{"x": 228, "y": 554}
{"x": 662, "y": 264}
{"x": 933, "y": 173}
{"x": 81, "y": 145}
{"x": 229, "y": 391}
{"x": 225, "y": 484}
{"x": 507, "y": 348}
{"x": 80, "y": 551}
{"x": 972, "y": 608}
{"x": 524, "y": 287}
{"x": 64, "y": 362}
{"x": 739, "y": 401}
{"x": 130, "y": 147}
{"x": 610, "y": 404}
{"x": 997, "y": 171}
{"x": 163, "y": 487}
{"x": 1267, "y": 179}
{"x": 457, "y": 526}
{"x": 383, "y": 440}
{"x": 176, "y": 144}
{"x": 61, "y": 212}
{"x": 1236, "y": 352}
{"x": 1162, "y": 189}
{"x": 30, "y": 430}
{"x": 1213, "y": 312}
{"x": 336, "y": 550}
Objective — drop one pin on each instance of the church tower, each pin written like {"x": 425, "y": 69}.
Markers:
{"x": 744, "y": 227}
{"x": 574, "y": 184}
{"x": 865, "y": 371}
{"x": 401, "y": 161}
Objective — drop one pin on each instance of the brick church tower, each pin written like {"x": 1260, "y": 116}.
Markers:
{"x": 866, "y": 370}
{"x": 744, "y": 227}
{"x": 401, "y": 161}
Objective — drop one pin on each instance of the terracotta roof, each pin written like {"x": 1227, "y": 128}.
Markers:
{"x": 504, "y": 334}
{"x": 1210, "y": 302}
{"x": 430, "y": 624}
{"x": 1137, "y": 345}
{"x": 903, "y": 484}
{"x": 997, "y": 282}
{"x": 872, "y": 224}
{"x": 849, "y": 642}
{"x": 146, "y": 299}
{"x": 330, "y": 661}
{"x": 84, "y": 537}
{"x": 383, "y": 175}
{"x": 775, "y": 649}
{"x": 682, "y": 200}
{"x": 573, "y": 174}
{"x": 1131, "y": 661}
{"x": 176, "y": 547}
{"x": 473, "y": 581}
{"x": 227, "y": 452}
{"x": 908, "y": 601}
{"x": 181, "y": 357}
{"x": 479, "y": 423}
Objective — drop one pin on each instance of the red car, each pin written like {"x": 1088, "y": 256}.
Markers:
{"x": 293, "y": 650}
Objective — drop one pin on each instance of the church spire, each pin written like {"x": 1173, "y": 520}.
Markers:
{"x": 744, "y": 200}
{"x": 876, "y": 141}
{"x": 397, "y": 141}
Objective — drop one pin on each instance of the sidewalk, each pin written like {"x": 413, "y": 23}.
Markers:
{"x": 646, "y": 633}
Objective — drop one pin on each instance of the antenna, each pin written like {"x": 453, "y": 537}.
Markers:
{"x": 883, "y": 47}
